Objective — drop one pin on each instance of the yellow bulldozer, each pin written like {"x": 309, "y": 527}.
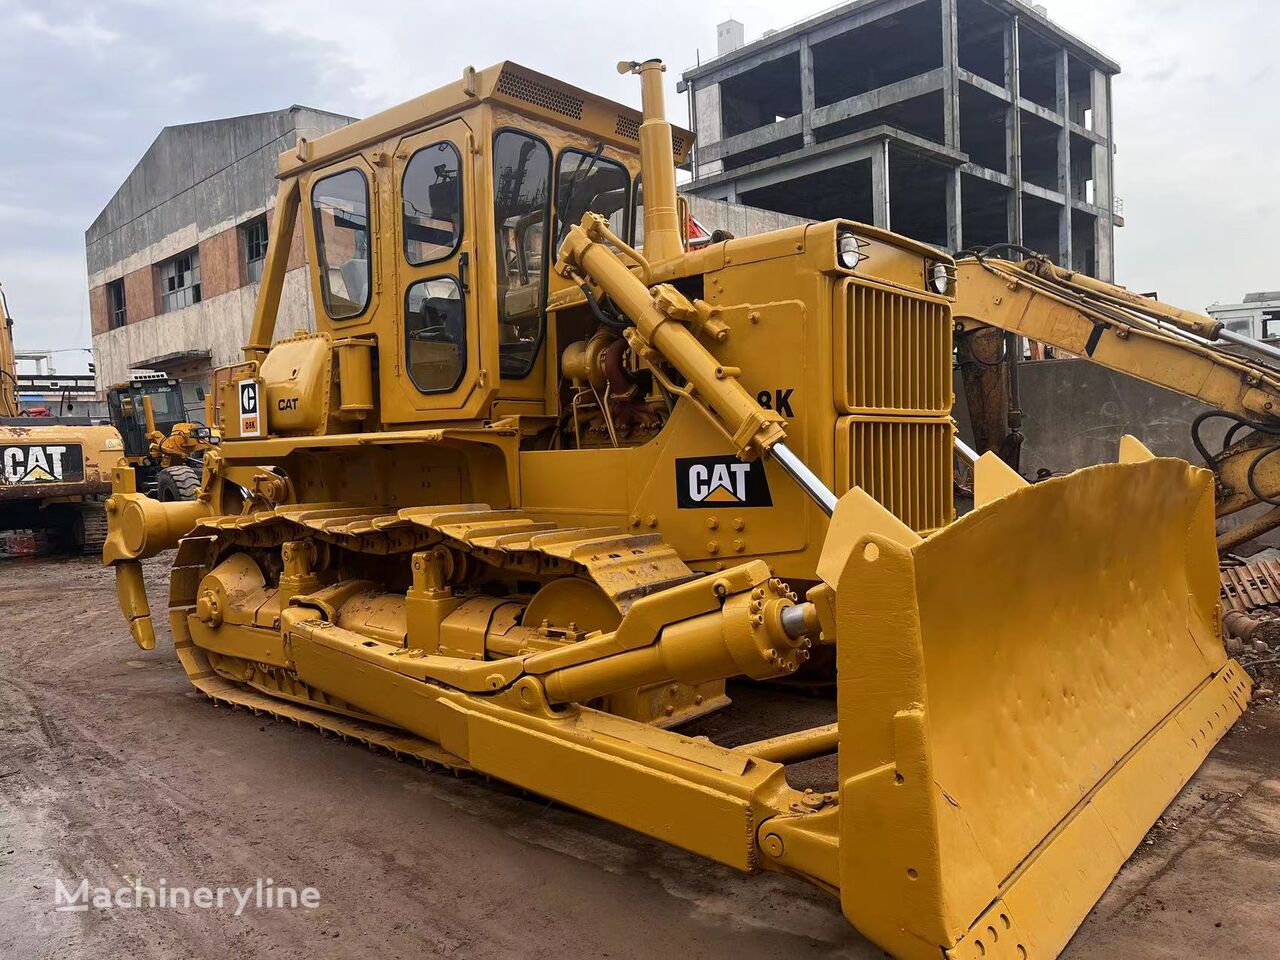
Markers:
{"x": 55, "y": 472}
{"x": 545, "y": 488}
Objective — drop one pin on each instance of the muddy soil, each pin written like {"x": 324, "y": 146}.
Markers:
{"x": 113, "y": 769}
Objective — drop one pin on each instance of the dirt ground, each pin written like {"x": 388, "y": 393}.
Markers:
{"x": 112, "y": 768}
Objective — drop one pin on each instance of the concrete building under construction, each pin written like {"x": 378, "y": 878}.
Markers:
{"x": 956, "y": 122}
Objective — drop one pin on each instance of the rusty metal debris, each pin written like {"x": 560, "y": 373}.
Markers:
{"x": 1251, "y": 586}
{"x": 1250, "y": 594}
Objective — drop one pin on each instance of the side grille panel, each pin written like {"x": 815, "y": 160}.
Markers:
{"x": 520, "y": 87}
{"x": 904, "y": 463}
{"x": 893, "y": 351}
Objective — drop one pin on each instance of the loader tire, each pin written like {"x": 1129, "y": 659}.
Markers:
{"x": 177, "y": 483}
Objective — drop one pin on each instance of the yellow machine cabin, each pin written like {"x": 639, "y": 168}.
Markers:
{"x": 543, "y": 483}
{"x": 432, "y": 231}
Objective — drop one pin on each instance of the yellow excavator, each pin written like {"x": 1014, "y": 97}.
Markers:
{"x": 55, "y": 472}
{"x": 1180, "y": 350}
{"x": 546, "y": 488}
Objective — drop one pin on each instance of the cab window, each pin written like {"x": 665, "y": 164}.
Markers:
{"x": 340, "y": 205}
{"x": 586, "y": 181}
{"x": 167, "y": 404}
{"x": 522, "y": 212}
{"x": 432, "y": 204}
{"x": 435, "y": 334}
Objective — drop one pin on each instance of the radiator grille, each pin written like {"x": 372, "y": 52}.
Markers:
{"x": 895, "y": 350}
{"x": 904, "y": 464}
{"x": 533, "y": 91}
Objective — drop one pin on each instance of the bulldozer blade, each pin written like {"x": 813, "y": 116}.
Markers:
{"x": 1020, "y": 697}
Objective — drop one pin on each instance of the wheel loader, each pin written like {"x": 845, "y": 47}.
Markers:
{"x": 545, "y": 489}
{"x": 1180, "y": 350}
{"x": 161, "y": 443}
{"x": 55, "y": 472}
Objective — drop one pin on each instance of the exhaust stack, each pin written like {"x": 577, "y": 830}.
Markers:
{"x": 657, "y": 165}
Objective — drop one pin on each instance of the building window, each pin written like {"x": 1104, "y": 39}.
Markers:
{"x": 255, "y": 247}
{"x": 1270, "y": 324}
{"x": 180, "y": 281}
{"x": 116, "y": 313}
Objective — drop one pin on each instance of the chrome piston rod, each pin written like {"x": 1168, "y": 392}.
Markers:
{"x": 967, "y": 453}
{"x": 808, "y": 480}
{"x": 1239, "y": 339}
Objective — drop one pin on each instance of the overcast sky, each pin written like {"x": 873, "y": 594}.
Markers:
{"x": 85, "y": 87}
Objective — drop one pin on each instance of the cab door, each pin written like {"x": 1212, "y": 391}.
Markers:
{"x": 435, "y": 353}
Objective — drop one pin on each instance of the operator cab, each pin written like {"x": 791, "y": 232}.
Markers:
{"x": 127, "y": 407}
{"x": 431, "y": 232}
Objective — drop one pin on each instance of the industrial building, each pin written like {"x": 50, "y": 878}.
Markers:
{"x": 956, "y": 122}
{"x": 175, "y": 257}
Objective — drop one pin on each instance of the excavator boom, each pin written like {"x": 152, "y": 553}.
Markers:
{"x": 8, "y": 365}
{"x": 1134, "y": 335}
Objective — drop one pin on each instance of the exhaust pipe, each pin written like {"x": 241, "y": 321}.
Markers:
{"x": 657, "y": 165}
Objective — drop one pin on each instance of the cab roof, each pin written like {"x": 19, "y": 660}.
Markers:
{"x": 507, "y": 83}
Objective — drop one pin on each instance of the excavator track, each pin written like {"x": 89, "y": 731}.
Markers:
{"x": 625, "y": 566}
{"x": 92, "y": 523}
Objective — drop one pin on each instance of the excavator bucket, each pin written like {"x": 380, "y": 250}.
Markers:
{"x": 1020, "y": 697}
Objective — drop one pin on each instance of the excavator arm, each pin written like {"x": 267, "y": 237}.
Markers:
{"x": 1143, "y": 338}
{"x": 8, "y": 366}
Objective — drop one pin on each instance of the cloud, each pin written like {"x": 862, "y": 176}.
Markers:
{"x": 83, "y": 32}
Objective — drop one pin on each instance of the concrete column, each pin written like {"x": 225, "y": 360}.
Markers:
{"x": 950, "y": 75}
{"x": 1013, "y": 129}
{"x": 955, "y": 233}
{"x": 709, "y": 129}
{"x": 1102, "y": 120}
{"x": 1103, "y": 194}
{"x": 807, "y": 104}
{"x": 691, "y": 97}
{"x": 880, "y": 187}
{"x": 1064, "y": 161}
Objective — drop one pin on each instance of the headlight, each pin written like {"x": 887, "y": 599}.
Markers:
{"x": 942, "y": 278}
{"x": 849, "y": 250}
